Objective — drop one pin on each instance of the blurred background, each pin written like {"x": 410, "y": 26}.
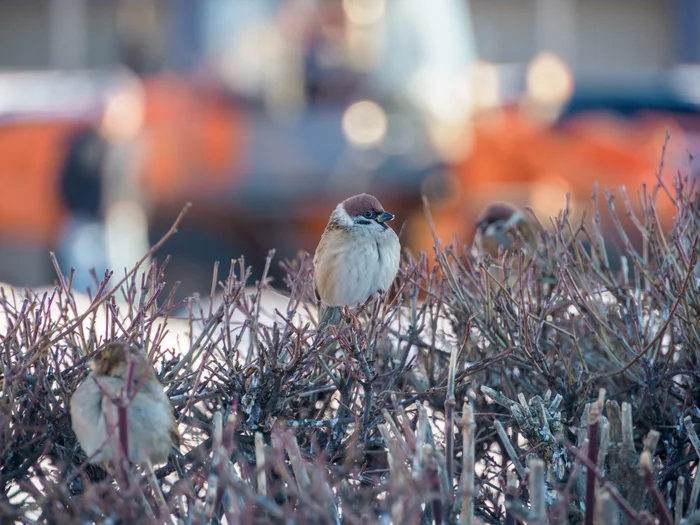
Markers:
{"x": 266, "y": 113}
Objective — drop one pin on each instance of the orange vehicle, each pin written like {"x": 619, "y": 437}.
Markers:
{"x": 188, "y": 130}
{"x": 193, "y": 138}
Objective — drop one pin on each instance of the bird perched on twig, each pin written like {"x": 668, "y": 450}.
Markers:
{"x": 151, "y": 427}
{"x": 357, "y": 256}
{"x": 502, "y": 228}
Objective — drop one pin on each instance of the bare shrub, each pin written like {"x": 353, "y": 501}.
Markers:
{"x": 571, "y": 398}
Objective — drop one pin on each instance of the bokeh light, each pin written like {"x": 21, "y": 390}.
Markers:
{"x": 364, "y": 12}
{"x": 549, "y": 79}
{"x": 365, "y": 124}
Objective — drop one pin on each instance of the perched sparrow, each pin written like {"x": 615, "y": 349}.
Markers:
{"x": 503, "y": 228}
{"x": 358, "y": 255}
{"x": 152, "y": 429}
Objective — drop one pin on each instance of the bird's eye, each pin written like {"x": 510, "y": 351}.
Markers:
{"x": 369, "y": 214}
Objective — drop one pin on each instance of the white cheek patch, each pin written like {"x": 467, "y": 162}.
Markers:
{"x": 340, "y": 216}
{"x": 492, "y": 229}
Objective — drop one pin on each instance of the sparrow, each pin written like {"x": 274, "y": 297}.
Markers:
{"x": 357, "y": 256}
{"x": 502, "y": 228}
{"x": 94, "y": 407}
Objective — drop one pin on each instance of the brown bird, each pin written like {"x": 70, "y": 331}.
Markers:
{"x": 357, "y": 256}
{"x": 152, "y": 429}
{"x": 502, "y": 228}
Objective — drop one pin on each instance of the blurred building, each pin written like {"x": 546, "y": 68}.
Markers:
{"x": 588, "y": 34}
{"x": 85, "y": 34}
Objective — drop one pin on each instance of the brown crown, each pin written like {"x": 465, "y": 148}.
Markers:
{"x": 361, "y": 203}
{"x": 498, "y": 211}
{"x": 112, "y": 357}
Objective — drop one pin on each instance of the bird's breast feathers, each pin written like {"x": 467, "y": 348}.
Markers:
{"x": 151, "y": 421}
{"x": 350, "y": 266}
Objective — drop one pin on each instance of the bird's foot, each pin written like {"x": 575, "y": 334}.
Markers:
{"x": 366, "y": 306}
{"x": 352, "y": 320}
{"x": 347, "y": 315}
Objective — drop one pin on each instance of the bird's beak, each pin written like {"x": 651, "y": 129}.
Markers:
{"x": 384, "y": 217}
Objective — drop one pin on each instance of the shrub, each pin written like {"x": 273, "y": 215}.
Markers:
{"x": 569, "y": 398}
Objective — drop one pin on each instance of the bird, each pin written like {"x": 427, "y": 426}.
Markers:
{"x": 357, "y": 257}
{"x": 502, "y": 228}
{"x": 152, "y": 428}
